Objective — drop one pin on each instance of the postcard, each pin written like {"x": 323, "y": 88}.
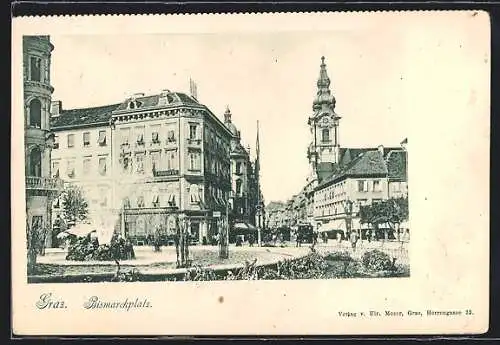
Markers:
{"x": 251, "y": 174}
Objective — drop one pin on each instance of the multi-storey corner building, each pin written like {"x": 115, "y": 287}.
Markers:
{"x": 145, "y": 159}
{"x": 41, "y": 186}
{"x": 172, "y": 156}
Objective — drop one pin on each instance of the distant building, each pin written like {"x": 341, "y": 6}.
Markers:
{"x": 244, "y": 184}
{"x": 41, "y": 186}
{"x": 340, "y": 176}
{"x": 364, "y": 176}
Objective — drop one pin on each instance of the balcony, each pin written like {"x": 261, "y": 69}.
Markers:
{"x": 44, "y": 184}
{"x": 162, "y": 173}
{"x": 194, "y": 142}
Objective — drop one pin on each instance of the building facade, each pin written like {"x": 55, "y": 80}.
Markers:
{"x": 41, "y": 187}
{"x": 147, "y": 160}
{"x": 82, "y": 156}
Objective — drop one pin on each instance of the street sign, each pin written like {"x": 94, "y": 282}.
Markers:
{"x": 217, "y": 214}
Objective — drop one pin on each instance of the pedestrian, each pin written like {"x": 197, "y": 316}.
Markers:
{"x": 251, "y": 240}
{"x": 354, "y": 239}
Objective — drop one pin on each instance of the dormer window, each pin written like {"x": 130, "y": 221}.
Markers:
{"x": 134, "y": 104}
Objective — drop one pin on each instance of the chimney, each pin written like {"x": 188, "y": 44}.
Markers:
{"x": 404, "y": 143}
{"x": 381, "y": 149}
{"x": 163, "y": 100}
{"x": 55, "y": 108}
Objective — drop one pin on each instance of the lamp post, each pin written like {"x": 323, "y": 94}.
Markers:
{"x": 348, "y": 212}
{"x": 224, "y": 232}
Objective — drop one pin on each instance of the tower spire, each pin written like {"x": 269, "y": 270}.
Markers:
{"x": 323, "y": 95}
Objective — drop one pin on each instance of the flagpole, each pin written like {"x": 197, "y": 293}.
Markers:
{"x": 257, "y": 172}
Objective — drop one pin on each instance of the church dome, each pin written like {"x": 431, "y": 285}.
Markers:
{"x": 229, "y": 124}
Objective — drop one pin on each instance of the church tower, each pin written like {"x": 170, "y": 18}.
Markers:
{"x": 323, "y": 152}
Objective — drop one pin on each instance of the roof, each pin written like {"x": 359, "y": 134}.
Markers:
{"x": 83, "y": 117}
{"x": 174, "y": 99}
{"x": 361, "y": 162}
{"x": 101, "y": 115}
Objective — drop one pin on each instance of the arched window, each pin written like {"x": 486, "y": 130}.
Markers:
{"x": 35, "y": 113}
{"x": 325, "y": 134}
{"x": 36, "y": 162}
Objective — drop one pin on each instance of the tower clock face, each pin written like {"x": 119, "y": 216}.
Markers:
{"x": 325, "y": 121}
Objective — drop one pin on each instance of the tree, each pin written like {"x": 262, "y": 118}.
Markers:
{"x": 74, "y": 204}
{"x": 393, "y": 211}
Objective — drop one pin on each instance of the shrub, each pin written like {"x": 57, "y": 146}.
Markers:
{"x": 376, "y": 260}
{"x": 85, "y": 249}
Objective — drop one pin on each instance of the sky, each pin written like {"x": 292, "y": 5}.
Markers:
{"x": 270, "y": 78}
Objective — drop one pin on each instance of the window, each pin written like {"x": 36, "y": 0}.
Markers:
{"x": 102, "y": 138}
{"x": 55, "y": 169}
{"x": 140, "y": 135}
{"x": 125, "y": 134}
{"x": 140, "y": 162}
{"x": 155, "y": 137}
{"x": 102, "y": 166}
{"x": 87, "y": 163}
{"x": 171, "y": 199}
{"x": 140, "y": 201}
{"x": 56, "y": 142}
{"x": 36, "y": 162}
{"x": 325, "y": 134}
{"x": 104, "y": 199}
{"x": 71, "y": 140}
{"x": 238, "y": 167}
{"x": 238, "y": 187}
{"x": 156, "y": 201}
{"x": 126, "y": 164}
{"x": 396, "y": 186}
{"x": 71, "y": 169}
{"x": 362, "y": 186}
{"x": 193, "y": 194}
{"x": 35, "y": 113}
{"x": 86, "y": 139}
{"x": 155, "y": 161}
{"x": 194, "y": 161}
{"x": 376, "y": 186}
{"x": 171, "y": 136}
{"x": 172, "y": 160}
{"x": 35, "y": 68}
{"x": 192, "y": 131}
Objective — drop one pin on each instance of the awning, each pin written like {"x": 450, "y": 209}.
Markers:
{"x": 81, "y": 230}
{"x": 338, "y": 224}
